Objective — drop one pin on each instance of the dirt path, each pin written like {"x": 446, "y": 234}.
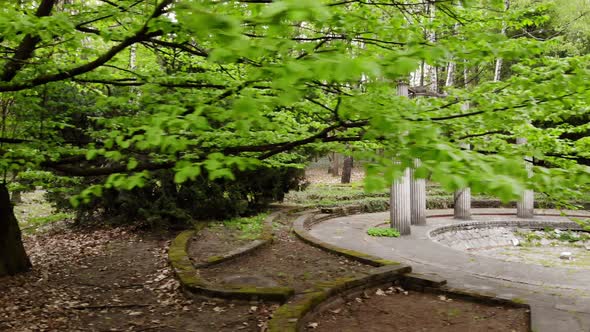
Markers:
{"x": 412, "y": 311}
{"x": 110, "y": 280}
{"x": 120, "y": 280}
{"x": 287, "y": 261}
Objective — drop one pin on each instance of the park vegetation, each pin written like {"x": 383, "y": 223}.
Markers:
{"x": 179, "y": 109}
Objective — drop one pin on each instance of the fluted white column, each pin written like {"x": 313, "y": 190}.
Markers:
{"x": 525, "y": 206}
{"x": 399, "y": 199}
{"x": 417, "y": 197}
{"x": 400, "y": 204}
{"x": 462, "y": 199}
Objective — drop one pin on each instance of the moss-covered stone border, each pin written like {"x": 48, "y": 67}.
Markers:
{"x": 192, "y": 282}
{"x": 488, "y": 298}
{"x": 264, "y": 239}
{"x": 291, "y": 316}
{"x": 300, "y": 229}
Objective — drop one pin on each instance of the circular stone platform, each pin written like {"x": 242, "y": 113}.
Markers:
{"x": 532, "y": 241}
{"x": 421, "y": 246}
{"x": 560, "y": 296}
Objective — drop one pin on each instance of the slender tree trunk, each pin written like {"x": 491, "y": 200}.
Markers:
{"x": 16, "y": 197}
{"x": 499, "y": 61}
{"x": 335, "y": 164}
{"x": 347, "y": 170}
{"x": 431, "y": 70}
{"x": 13, "y": 258}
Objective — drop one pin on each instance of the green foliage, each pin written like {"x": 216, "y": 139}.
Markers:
{"x": 39, "y": 221}
{"x": 209, "y": 91}
{"x": 532, "y": 238}
{"x": 250, "y": 227}
{"x": 383, "y": 232}
{"x": 569, "y": 236}
{"x": 584, "y": 223}
{"x": 161, "y": 202}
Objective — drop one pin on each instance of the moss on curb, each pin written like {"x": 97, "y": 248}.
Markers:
{"x": 288, "y": 317}
{"x": 190, "y": 280}
{"x": 264, "y": 239}
{"x": 301, "y": 232}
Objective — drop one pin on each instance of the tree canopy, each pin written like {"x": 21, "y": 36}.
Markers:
{"x": 121, "y": 89}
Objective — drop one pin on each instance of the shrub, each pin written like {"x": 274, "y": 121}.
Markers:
{"x": 162, "y": 202}
{"x": 383, "y": 232}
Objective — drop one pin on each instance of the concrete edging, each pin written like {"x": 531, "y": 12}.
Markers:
{"x": 191, "y": 281}
{"x": 287, "y": 314}
{"x": 263, "y": 240}
{"x": 293, "y": 316}
{"x": 290, "y": 317}
{"x": 299, "y": 229}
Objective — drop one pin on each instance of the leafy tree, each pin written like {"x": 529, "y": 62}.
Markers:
{"x": 218, "y": 88}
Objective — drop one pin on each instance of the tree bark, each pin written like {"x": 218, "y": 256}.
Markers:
{"x": 499, "y": 61}
{"x": 334, "y": 164}
{"x": 13, "y": 258}
{"x": 347, "y": 170}
{"x": 16, "y": 197}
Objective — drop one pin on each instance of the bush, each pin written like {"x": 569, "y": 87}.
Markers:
{"x": 162, "y": 202}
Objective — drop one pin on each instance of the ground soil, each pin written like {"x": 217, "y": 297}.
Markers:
{"x": 287, "y": 261}
{"x": 416, "y": 311}
{"x": 214, "y": 241}
{"x": 119, "y": 280}
{"x": 111, "y": 280}
{"x": 318, "y": 173}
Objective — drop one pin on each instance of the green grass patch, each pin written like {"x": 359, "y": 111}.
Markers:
{"x": 250, "y": 227}
{"x": 330, "y": 195}
{"x": 39, "y": 221}
{"x": 383, "y": 232}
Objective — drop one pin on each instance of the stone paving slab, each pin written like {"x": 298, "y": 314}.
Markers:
{"x": 560, "y": 298}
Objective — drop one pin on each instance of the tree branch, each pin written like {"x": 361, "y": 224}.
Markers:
{"x": 26, "y": 48}
{"x": 140, "y": 35}
{"x": 106, "y": 170}
{"x": 320, "y": 136}
{"x": 14, "y": 140}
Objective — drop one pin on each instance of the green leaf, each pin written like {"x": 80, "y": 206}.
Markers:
{"x": 132, "y": 164}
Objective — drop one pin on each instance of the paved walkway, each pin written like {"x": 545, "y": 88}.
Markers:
{"x": 559, "y": 297}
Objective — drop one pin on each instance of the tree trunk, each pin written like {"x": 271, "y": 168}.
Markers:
{"x": 13, "y": 258}
{"x": 499, "y": 62}
{"x": 347, "y": 170}
{"x": 16, "y": 197}
{"x": 334, "y": 164}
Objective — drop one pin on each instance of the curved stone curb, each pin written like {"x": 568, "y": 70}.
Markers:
{"x": 293, "y": 316}
{"x": 528, "y": 224}
{"x": 290, "y": 317}
{"x": 484, "y": 298}
{"x": 181, "y": 263}
{"x": 433, "y": 283}
{"x": 286, "y": 318}
{"x": 264, "y": 239}
{"x": 299, "y": 227}
{"x": 191, "y": 281}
